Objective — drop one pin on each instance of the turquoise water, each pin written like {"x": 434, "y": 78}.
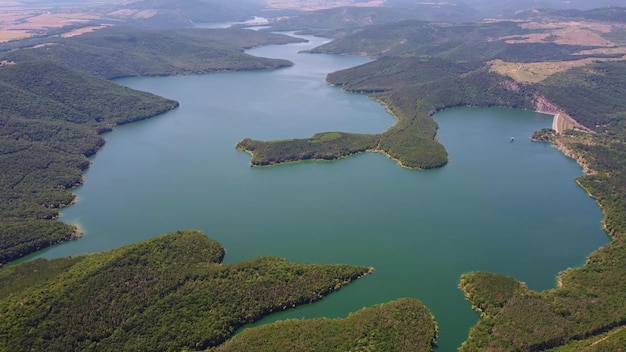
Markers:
{"x": 501, "y": 206}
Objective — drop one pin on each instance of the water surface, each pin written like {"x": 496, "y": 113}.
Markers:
{"x": 501, "y": 206}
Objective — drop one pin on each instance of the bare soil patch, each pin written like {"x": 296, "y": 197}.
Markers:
{"x": 568, "y": 33}
{"x": 19, "y": 22}
{"x": 535, "y": 72}
{"x": 83, "y": 30}
{"x": 587, "y": 33}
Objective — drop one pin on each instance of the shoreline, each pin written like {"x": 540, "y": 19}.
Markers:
{"x": 544, "y": 106}
{"x": 580, "y": 160}
{"x": 382, "y": 152}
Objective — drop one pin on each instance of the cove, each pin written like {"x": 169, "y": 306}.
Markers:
{"x": 510, "y": 208}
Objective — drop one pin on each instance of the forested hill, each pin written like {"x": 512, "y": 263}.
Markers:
{"x": 122, "y": 51}
{"x": 401, "y": 325}
{"x": 159, "y": 13}
{"x": 471, "y": 42}
{"x": 170, "y": 293}
{"x": 342, "y": 20}
{"x": 609, "y": 14}
{"x": 50, "y": 121}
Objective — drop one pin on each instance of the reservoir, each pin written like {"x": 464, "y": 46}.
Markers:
{"x": 500, "y": 206}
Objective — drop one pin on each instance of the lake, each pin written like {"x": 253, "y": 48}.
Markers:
{"x": 501, "y": 206}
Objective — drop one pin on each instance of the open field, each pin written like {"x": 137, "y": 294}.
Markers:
{"x": 5, "y": 36}
{"x": 569, "y": 33}
{"x": 535, "y": 72}
{"x": 83, "y": 30}
{"x": 585, "y": 33}
{"x": 23, "y": 19}
{"x": 20, "y": 24}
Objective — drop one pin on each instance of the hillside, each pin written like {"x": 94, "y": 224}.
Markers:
{"x": 51, "y": 118}
{"x": 339, "y": 21}
{"x": 402, "y": 325}
{"x": 471, "y": 42}
{"x": 117, "y": 52}
{"x": 168, "y": 293}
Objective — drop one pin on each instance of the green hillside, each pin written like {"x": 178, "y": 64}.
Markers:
{"x": 466, "y": 42}
{"x": 168, "y": 293}
{"x": 123, "y": 51}
{"x": 402, "y": 325}
{"x": 51, "y": 118}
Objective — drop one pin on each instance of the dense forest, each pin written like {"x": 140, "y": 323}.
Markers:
{"x": 402, "y": 325}
{"x": 51, "y": 120}
{"x": 167, "y": 293}
{"x": 466, "y": 42}
{"x": 338, "y": 21}
{"x": 117, "y": 52}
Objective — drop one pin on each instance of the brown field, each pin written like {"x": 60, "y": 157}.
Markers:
{"x": 571, "y": 32}
{"x": 5, "y": 36}
{"x": 134, "y": 14}
{"x": 587, "y": 33}
{"x": 536, "y": 72}
{"x": 80, "y": 31}
{"x": 18, "y": 23}
{"x": 49, "y": 20}
{"x": 19, "y": 20}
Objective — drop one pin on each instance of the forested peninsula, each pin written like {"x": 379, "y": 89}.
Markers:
{"x": 117, "y": 52}
{"x": 167, "y": 293}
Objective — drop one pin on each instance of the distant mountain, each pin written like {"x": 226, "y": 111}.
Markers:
{"x": 185, "y": 12}
{"x": 125, "y": 51}
{"x": 352, "y": 17}
{"x": 613, "y": 14}
{"x": 506, "y": 8}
